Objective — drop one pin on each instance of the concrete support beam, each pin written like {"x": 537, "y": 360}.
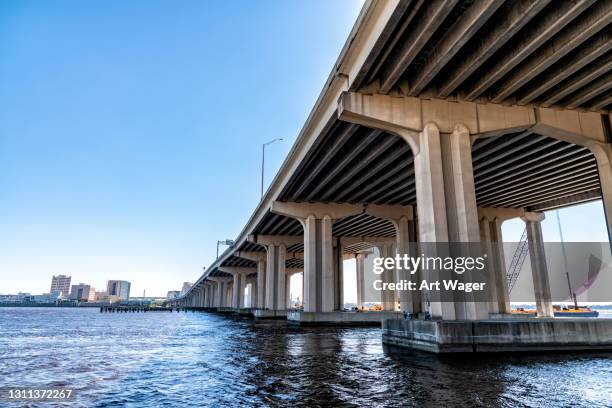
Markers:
{"x": 360, "y": 272}
{"x": 402, "y": 218}
{"x": 539, "y": 268}
{"x": 387, "y": 297}
{"x": 338, "y": 271}
{"x": 321, "y": 277}
{"x": 260, "y": 259}
{"x": 239, "y": 282}
{"x": 493, "y": 243}
{"x": 275, "y": 277}
{"x": 220, "y": 290}
{"x": 603, "y": 155}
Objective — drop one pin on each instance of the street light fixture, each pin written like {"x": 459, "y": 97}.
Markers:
{"x": 263, "y": 160}
{"x": 228, "y": 242}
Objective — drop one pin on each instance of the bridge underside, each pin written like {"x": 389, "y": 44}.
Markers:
{"x": 440, "y": 120}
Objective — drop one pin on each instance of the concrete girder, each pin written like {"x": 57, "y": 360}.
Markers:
{"x": 573, "y": 84}
{"x": 554, "y": 22}
{"x": 598, "y": 86}
{"x": 351, "y": 173}
{"x": 329, "y": 155}
{"x": 605, "y": 101}
{"x": 562, "y": 72}
{"x": 454, "y": 39}
{"x": 342, "y": 165}
{"x": 587, "y": 25}
{"x": 424, "y": 28}
{"x": 517, "y": 15}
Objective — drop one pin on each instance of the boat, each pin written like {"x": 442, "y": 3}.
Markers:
{"x": 579, "y": 311}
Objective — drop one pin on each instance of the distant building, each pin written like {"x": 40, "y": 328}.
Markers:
{"x": 186, "y": 287}
{"x": 173, "y": 294}
{"x": 118, "y": 288}
{"x": 46, "y": 298}
{"x": 83, "y": 293}
{"x": 18, "y": 298}
{"x": 60, "y": 284}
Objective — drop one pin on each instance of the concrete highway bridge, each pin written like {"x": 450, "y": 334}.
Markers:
{"x": 439, "y": 121}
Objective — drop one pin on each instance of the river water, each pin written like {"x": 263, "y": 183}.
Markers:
{"x": 183, "y": 359}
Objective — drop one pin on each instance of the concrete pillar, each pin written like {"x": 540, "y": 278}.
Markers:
{"x": 603, "y": 155}
{"x": 410, "y": 301}
{"x": 288, "y": 291}
{"x": 236, "y": 291}
{"x": 219, "y": 297}
{"x": 539, "y": 269}
{"x": 360, "y": 272}
{"x": 317, "y": 220}
{"x": 338, "y": 276}
{"x": 318, "y": 265}
{"x": 275, "y": 277}
{"x": 461, "y": 210}
{"x": 431, "y": 206}
{"x": 253, "y": 282}
{"x": 387, "y": 297}
{"x": 501, "y": 289}
{"x": 261, "y": 284}
{"x": 488, "y": 247}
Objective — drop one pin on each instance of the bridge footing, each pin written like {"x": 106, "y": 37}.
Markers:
{"x": 340, "y": 318}
{"x": 269, "y": 314}
{"x": 509, "y": 335}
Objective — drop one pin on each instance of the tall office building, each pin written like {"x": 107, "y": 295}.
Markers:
{"x": 118, "y": 288}
{"x": 60, "y": 283}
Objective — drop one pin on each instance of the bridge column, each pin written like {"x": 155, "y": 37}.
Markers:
{"x": 402, "y": 218}
{"x": 387, "y": 297}
{"x": 539, "y": 270}
{"x": 239, "y": 275}
{"x": 360, "y": 272}
{"x": 604, "y": 168}
{"x": 219, "y": 290}
{"x": 317, "y": 221}
{"x": 260, "y": 259}
{"x": 275, "y": 277}
{"x": 338, "y": 275}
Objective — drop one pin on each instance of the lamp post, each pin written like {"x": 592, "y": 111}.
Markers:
{"x": 263, "y": 160}
{"x": 228, "y": 242}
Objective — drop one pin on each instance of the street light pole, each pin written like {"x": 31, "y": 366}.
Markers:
{"x": 263, "y": 160}
{"x": 228, "y": 242}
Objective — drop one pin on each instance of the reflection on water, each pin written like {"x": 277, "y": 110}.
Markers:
{"x": 202, "y": 359}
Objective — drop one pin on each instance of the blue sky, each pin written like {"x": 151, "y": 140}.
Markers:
{"x": 130, "y": 131}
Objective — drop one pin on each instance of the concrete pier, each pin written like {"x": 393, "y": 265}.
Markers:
{"x": 269, "y": 314}
{"x": 300, "y": 318}
{"x": 506, "y": 335}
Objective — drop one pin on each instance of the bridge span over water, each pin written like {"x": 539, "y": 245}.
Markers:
{"x": 439, "y": 121}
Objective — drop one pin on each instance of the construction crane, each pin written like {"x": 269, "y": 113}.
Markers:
{"x": 518, "y": 260}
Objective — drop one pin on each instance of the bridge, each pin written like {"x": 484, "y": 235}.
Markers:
{"x": 439, "y": 121}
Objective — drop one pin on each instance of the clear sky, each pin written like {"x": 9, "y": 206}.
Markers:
{"x": 130, "y": 131}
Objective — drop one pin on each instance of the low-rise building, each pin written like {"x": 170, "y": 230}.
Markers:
{"x": 83, "y": 293}
{"x": 173, "y": 294}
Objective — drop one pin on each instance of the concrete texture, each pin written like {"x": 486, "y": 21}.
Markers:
{"x": 269, "y": 314}
{"x": 340, "y": 318}
{"x": 507, "y": 335}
